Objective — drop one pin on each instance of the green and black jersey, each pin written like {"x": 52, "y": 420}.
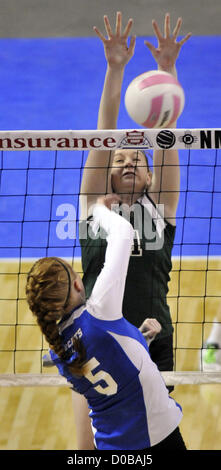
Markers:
{"x": 149, "y": 266}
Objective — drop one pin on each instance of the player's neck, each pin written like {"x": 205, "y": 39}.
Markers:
{"x": 130, "y": 199}
{"x": 76, "y": 301}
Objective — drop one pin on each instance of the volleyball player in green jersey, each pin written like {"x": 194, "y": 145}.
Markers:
{"x": 127, "y": 173}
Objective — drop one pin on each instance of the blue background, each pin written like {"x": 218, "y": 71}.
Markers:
{"x": 56, "y": 84}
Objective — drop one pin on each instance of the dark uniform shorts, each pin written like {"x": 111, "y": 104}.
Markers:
{"x": 173, "y": 442}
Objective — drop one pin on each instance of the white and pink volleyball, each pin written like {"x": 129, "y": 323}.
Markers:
{"x": 154, "y": 99}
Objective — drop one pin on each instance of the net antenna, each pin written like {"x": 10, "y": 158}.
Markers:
{"x": 40, "y": 175}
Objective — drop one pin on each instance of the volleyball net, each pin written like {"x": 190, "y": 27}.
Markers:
{"x": 40, "y": 179}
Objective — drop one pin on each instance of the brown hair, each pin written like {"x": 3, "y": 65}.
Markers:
{"x": 48, "y": 295}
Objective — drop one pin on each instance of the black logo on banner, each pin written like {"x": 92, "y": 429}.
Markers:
{"x": 166, "y": 139}
{"x": 188, "y": 139}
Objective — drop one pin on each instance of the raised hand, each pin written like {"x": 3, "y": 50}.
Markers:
{"x": 168, "y": 48}
{"x": 117, "y": 51}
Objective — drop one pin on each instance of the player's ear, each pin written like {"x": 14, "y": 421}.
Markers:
{"x": 77, "y": 285}
{"x": 149, "y": 177}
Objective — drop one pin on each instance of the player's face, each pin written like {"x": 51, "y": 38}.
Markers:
{"x": 129, "y": 172}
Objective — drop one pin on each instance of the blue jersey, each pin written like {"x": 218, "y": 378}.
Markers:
{"x": 127, "y": 398}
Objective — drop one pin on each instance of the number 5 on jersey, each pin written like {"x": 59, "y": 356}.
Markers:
{"x": 110, "y": 386}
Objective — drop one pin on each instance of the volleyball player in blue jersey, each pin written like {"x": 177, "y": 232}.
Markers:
{"x": 130, "y": 176}
{"x": 102, "y": 355}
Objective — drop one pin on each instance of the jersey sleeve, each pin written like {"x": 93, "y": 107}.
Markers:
{"x": 106, "y": 298}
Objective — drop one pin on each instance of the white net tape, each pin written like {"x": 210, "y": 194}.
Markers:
{"x": 111, "y": 139}
{"x": 46, "y": 380}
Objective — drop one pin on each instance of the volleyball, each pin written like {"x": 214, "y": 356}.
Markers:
{"x": 154, "y": 99}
